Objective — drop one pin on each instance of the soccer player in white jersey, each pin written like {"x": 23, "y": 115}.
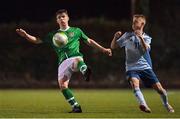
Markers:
{"x": 69, "y": 57}
{"x": 138, "y": 62}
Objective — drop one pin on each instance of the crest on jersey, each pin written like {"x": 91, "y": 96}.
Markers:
{"x": 71, "y": 34}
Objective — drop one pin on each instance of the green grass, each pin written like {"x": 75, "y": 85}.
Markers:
{"x": 95, "y": 104}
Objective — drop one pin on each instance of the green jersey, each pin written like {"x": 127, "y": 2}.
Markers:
{"x": 71, "y": 49}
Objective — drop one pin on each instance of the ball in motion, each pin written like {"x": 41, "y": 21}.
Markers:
{"x": 60, "y": 39}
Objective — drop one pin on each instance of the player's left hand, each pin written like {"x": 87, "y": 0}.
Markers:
{"x": 139, "y": 33}
{"x": 108, "y": 51}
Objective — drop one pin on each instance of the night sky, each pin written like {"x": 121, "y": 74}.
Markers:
{"x": 44, "y": 10}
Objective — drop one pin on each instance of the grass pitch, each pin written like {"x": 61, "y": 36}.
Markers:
{"x": 95, "y": 104}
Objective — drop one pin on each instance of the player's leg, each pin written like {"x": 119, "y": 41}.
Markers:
{"x": 64, "y": 75}
{"x": 139, "y": 96}
{"x": 158, "y": 87}
{"x": 83, "y": 68}
{"x": 63, "y": 83}
{"x": 133, "y": 79}
{"x": 151, "y": 79}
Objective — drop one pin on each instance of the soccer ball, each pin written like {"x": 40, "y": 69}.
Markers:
{"x": 60, "y": 39}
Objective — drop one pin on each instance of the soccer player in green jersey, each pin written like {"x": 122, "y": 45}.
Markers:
{"x": 69, "y": 57}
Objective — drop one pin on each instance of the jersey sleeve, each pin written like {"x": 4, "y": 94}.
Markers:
{"x": 123, "y": 40}
{"x": 83, "y": 36}
{"x": 147, "y": 39}
{"x": 48, "y": 38}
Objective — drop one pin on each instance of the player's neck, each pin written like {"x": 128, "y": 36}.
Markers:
{"x": 64, "y": 28}
{"x": 141, "y": 31}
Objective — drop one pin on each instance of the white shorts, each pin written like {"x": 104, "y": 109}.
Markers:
{"x": 67, "y": 67}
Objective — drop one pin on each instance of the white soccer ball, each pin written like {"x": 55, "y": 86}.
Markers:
{"x": 60, "y": 39}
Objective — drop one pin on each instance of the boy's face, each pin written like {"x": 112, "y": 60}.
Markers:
{"x": 138, "y": 23}
{"x": 62, "y": 19}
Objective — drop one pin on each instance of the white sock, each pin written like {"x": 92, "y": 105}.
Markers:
{"x": 164, "y": 97}
{"x": 139, "y": 96}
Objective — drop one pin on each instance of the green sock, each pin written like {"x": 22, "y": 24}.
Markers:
{"x": 82, "y": 67}
{"x": 69, "y": 97}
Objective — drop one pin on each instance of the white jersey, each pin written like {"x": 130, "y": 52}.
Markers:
{"x": 136, "y": 58}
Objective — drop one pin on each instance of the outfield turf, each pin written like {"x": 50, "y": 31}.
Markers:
{"x": 95, "y": 104}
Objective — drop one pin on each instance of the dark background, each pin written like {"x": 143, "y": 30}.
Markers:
{"x": 25, "y": 65}
{"x": 44, "y": 10}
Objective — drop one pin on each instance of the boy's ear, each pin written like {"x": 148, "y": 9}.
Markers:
{"x": 143, "y": 24}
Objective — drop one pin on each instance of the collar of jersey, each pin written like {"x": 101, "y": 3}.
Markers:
{"x": 143, "y": 34}
{"x": 64, "y": 29}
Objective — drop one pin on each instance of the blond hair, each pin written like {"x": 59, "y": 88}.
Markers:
{"x": 140, "y": 16}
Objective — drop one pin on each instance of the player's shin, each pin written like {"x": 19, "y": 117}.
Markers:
{"x": 142, "y": 103}
{"x": 69, "y": 97}
{"x": 139, "y": 96}
{"x": 164, "y": 97}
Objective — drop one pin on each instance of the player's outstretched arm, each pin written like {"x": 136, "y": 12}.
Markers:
{"x": 94, "y": 44}
{"x": 113, "y": 42}
{"x": 29, "y": 37}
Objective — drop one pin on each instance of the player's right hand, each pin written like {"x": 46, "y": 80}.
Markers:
{"x": 21, "y": 32}
{"x": 117, "y": 35}
{"x": 108, "y": 51}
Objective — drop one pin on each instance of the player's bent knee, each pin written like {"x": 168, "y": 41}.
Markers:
{"x": 159, "y": 88}
{"x": 63, "y": 83}
{"x": 75, "y": 64}
{"x": 161, "y": 91}
{"x": 78, "y": 59}
{"x": 63, "y": 86}
{"x": 134, "y": 82}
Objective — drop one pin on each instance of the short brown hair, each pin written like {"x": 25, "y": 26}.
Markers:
{"x": 60, "y": 11}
